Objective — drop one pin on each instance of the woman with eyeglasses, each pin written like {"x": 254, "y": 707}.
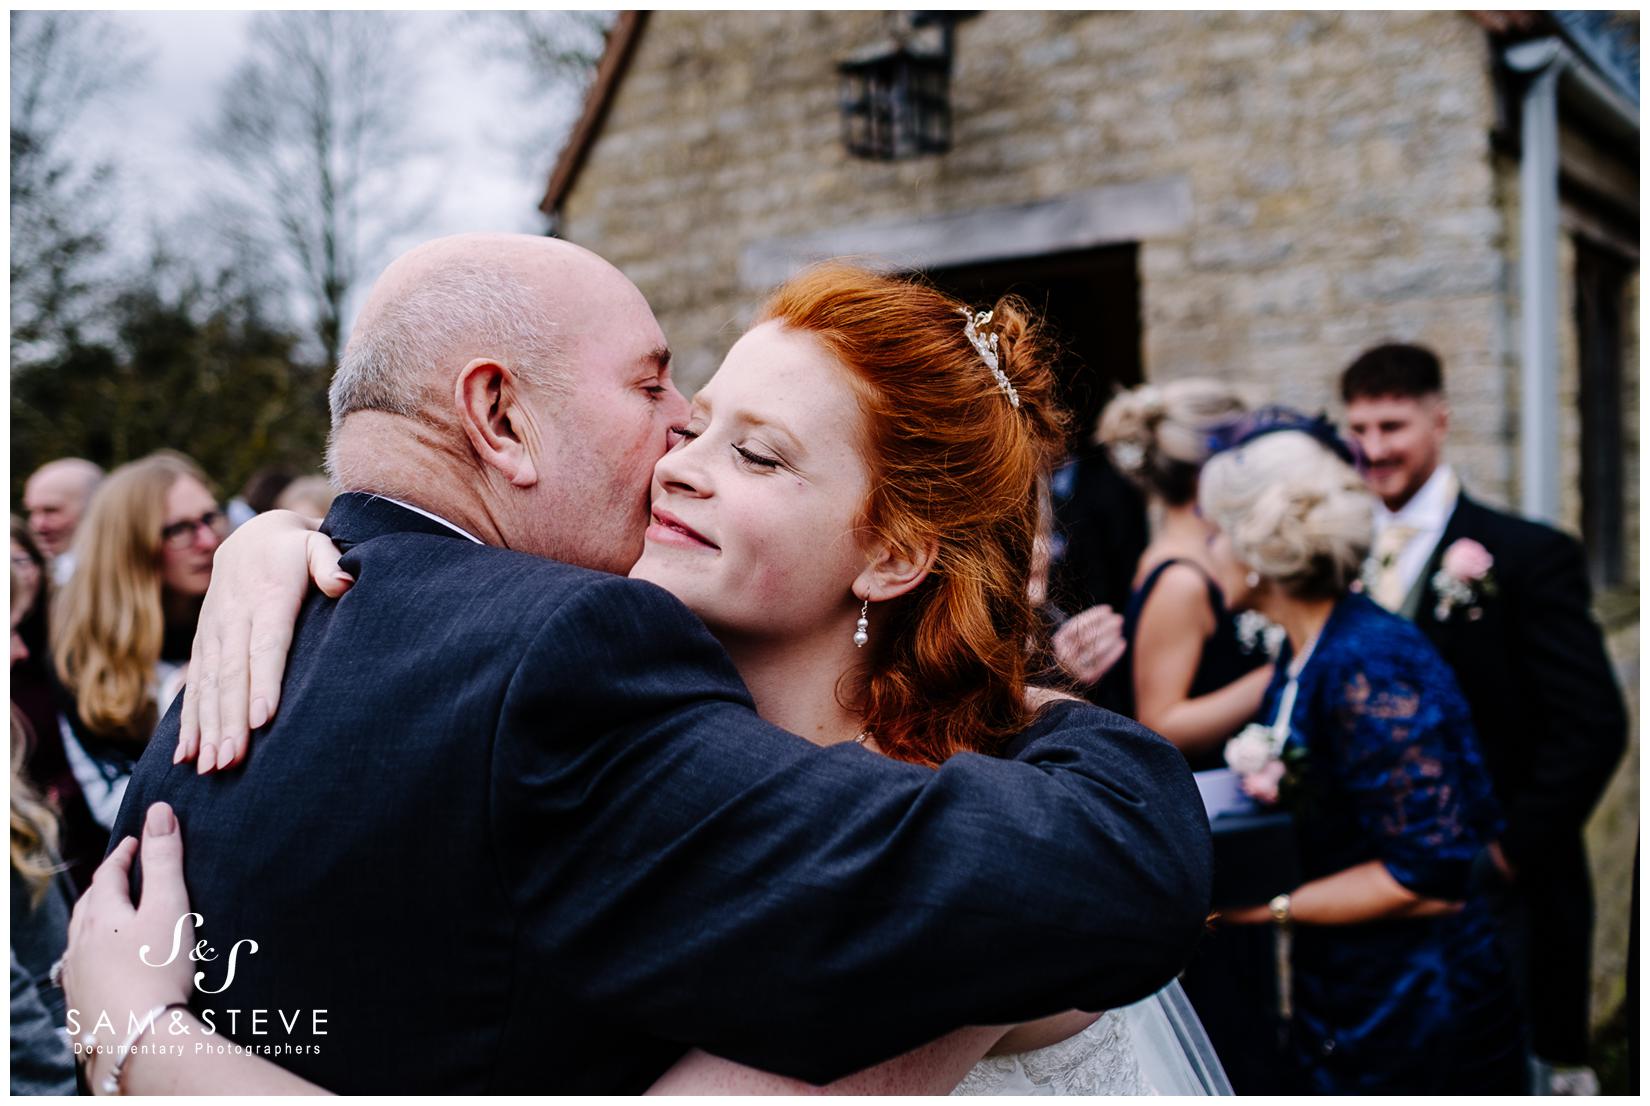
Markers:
{"x": 121, "y": 627}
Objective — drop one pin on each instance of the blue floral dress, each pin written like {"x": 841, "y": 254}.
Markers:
{"x": 1393, "y": 773}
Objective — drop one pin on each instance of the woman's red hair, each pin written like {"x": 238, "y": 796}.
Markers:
{"x": 953, "y": 464}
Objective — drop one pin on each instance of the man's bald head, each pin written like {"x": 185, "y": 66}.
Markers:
{"x": 519, "y": 386}
{"x": 55, "y": 497}
{"x": 514, "y": 298}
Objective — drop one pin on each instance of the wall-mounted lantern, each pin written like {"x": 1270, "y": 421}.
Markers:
{"x": 896, "y": 96}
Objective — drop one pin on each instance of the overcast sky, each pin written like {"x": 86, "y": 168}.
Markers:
{"x": 475, "y": 128}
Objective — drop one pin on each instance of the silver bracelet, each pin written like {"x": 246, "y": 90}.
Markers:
{"x": 110, "y": 1084}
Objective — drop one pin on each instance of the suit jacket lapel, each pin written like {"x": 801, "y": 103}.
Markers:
{"x": 1420, "y": 603}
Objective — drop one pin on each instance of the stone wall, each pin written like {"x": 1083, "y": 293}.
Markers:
{"x": 1338, "y": 165}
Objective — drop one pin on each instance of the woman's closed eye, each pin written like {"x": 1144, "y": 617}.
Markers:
{"x": 747, "y": 456}
{"x": 753, "y": 458}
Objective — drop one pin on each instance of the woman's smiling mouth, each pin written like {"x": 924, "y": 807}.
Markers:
{"x": 670, "y": 530}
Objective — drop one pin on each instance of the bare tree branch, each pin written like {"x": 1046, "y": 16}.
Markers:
{"x": 314, "y": 127}
{"x": 63, "y": 64}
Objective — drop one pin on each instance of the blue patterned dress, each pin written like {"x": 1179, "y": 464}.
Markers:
{"x": 1394, "y": 774}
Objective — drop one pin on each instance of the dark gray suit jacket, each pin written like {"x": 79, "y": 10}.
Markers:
{"x": 517, "y": 828}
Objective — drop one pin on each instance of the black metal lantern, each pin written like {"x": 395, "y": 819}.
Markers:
{"x": 896, "y": 104}
{"x": 896, "y": 98}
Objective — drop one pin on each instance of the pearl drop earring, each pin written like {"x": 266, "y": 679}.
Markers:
{"x": 1253, "y": 579}
{"x": 860, "y": 634}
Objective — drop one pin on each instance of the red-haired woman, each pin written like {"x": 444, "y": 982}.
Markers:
{"x": 851, "y": 508}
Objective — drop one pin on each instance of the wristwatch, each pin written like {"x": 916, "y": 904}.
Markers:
{"x": 1279, "y": 906}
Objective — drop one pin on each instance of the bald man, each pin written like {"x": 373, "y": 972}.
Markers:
{"x": 54, "y": 498}
{"x": 517, "y": 826}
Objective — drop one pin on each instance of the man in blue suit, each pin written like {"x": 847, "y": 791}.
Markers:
{"x": 516, "y": 826}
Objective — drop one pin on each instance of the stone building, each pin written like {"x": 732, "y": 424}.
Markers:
{"x": 1251, "y": 195}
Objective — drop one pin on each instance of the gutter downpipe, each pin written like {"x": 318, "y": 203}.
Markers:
{"x": 1544, "y": 62}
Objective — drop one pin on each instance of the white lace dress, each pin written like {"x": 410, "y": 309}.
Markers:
{"x": 1155, "y": 1047}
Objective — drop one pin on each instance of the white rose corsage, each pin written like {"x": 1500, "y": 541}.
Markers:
{"x": 1255, "y": 755}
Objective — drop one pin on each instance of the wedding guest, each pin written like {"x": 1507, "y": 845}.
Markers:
{"x": 121, "y": 628}
{"x": 1507, "y": 602}
{"x": 1185, "y": 673}
{"x": 45, "y": 762}
{"x": 1081, "y": 648}
{"x": 40, "y": 902}
{"x": 309, "y": 496}
{"x": 1399, "y": 982}
{"x": 258, "y": 494}
{"x": 55, "y": 498}
{"x": 1100, "y": 529}
{"x": 30, "y": 683}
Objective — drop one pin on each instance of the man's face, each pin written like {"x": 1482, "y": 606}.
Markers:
{"x": 1402, "y": 438}
{"x": 603, "y": 436}
{"x": 54, "y": 502}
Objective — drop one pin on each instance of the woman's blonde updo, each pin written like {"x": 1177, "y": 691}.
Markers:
{"x": 1158, "y": 434}
{"x": 1294, "y": 512}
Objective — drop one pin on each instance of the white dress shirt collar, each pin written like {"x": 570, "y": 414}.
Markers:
{"x": 433, "y": 516}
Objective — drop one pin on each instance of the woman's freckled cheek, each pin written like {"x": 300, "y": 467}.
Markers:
{"x": 772, "y": 582}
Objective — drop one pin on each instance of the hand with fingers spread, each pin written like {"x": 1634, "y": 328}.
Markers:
{"x": 260, "y": 576}
{"x": 113, "y": 946}
{"x": 1089, "y": 643}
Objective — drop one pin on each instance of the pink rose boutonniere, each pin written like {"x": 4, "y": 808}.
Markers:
{"x": 1465, "y": 577}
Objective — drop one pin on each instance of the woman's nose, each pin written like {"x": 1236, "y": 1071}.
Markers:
{"x": 682, "y": 469}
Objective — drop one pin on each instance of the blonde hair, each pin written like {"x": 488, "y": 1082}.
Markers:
{"x": 108, "y": 622}
{"x": 1294, "y": 512}
{"x": 308, "y": 495}
{"x": 1158, "y": 434}
{"x": 33, "y": 822}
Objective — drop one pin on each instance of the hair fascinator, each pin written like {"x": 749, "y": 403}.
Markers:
{"x": 1274, "y": 419}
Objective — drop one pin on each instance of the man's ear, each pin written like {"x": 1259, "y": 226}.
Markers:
{"x": 500, "y": 426}
{"x": 893, "y": 572}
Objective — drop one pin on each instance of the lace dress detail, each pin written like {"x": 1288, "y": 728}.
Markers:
{"x": 1154, "y": 1047}
{"x": 1394, "y": 771}
{"x": 1099, "y": 1060}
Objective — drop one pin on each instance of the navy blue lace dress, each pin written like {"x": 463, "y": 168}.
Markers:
{"x": 1394, "y": 774}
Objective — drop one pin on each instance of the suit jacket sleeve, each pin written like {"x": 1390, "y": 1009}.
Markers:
{"x": 1583, "y": 720}
{"x": 694, "y": 873}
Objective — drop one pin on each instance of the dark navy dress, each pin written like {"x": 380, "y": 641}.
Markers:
{"x": 1394, "y": 774}
{"x": 1222, "y": 661}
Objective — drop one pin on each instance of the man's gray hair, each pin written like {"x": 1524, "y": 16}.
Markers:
{"x": 462, "y": 312}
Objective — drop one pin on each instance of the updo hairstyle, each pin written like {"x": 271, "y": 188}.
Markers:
{"x": 1158, "y": 434}
{"x": 1294, "y": 512}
